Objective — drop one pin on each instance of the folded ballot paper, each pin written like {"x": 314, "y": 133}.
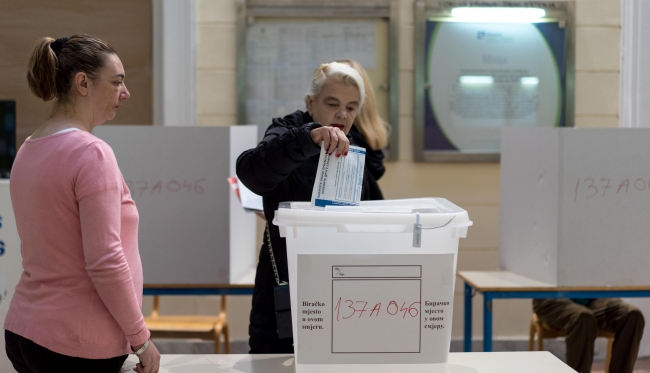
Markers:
{"x": 339, "y": 179}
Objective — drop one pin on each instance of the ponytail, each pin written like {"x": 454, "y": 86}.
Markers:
{"x": 41, "y": 70}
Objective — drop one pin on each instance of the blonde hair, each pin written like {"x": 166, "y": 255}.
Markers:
{"x": 369, "y": 123}
{"x": 340, "y": 71}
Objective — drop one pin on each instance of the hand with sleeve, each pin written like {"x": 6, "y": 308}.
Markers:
{"x": 333, "y": 139}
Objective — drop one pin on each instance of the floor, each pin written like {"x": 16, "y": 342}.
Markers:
{"x": 642, "y": 366}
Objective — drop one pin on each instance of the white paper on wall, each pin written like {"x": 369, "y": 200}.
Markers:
{"x": 281, "y": 59}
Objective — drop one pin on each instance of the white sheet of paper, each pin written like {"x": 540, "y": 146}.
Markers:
{"x": 339, "y": 179}
{"x": 250, "y": 200}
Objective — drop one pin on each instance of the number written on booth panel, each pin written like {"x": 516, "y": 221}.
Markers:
{"x": 606, "y": 187}
{"x": 142, "y": 188}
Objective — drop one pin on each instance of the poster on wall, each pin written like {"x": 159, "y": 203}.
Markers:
{"x": 483, "y": 77}
{"x": 282, "y": 58}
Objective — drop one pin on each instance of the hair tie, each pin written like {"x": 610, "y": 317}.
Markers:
{"x": 58, "y": 44}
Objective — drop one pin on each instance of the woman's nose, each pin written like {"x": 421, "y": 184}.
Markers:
{"x": 125, "y": 94}
{"x": 341, "y": 114}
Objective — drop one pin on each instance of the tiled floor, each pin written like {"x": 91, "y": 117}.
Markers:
{"x": 642, "y": 366}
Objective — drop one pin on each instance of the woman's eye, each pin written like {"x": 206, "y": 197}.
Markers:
{"x": 331, "y": 105}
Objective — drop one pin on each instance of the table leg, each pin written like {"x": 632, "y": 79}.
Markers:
{"x": 487, "y": 322}
{"x": 467, "y": 329}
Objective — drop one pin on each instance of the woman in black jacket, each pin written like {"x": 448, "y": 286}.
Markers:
{"x": 283, "y": 168}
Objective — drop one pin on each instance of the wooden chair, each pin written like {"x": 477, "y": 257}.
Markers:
{"x": 543, "y": 331}
{"x": 203, "y": 327}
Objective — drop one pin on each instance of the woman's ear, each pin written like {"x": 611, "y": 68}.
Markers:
{"x": 310, "y": 104}
{"x": 81, "y": 83}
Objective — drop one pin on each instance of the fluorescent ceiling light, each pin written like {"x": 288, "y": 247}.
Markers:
{"x": 471, "y": 79}
{"x": 508, "y": 15}
{"x": 529, "y": 80}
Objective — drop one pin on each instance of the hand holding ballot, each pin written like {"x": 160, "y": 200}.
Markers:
{"x": 332, "y": 139}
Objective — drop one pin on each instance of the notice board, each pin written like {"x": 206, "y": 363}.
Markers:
{"x": 475, "y": 76}
{"x": 282, "y": 55}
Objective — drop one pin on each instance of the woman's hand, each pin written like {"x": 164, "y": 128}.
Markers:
{"x": 333, "y": 138}
{"x": 149, "y": 359}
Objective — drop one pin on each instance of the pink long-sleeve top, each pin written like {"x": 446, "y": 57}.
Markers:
{"x": 80, "y": 293}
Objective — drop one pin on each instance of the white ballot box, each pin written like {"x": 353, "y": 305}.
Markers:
{"x": 372, "y": 284}
{"x": 575, "y": 205}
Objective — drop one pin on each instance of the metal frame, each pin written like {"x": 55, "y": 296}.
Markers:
{"x": 247, "y": 11}
{"x": 563, "y": 12}
{"x": 488, "y": 296}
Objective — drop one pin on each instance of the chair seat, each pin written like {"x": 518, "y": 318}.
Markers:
{"x": 189, "y": 323}
{"x": 550, "y": 333}
{"x": 186, "y": 326}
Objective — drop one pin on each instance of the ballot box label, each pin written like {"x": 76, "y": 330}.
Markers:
{"x": 374, "y": 308}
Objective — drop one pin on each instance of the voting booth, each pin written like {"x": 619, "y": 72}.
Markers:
{"x": 10, "y": 261}
{"x": 575, "y": 205}
{"x": 193, "y": 230}
{"x": 372, "y": 284}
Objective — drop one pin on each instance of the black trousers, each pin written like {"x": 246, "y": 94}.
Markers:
{"x": 29, "y": 357}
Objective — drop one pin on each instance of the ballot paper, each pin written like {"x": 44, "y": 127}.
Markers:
{"x": 339, "y": 179}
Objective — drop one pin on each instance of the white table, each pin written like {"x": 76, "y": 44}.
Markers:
{"x": 463, "y": 362}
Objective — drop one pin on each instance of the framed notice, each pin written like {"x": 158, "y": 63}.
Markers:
{"x": 280, "y": 44}
{"x": 478, "y": 77}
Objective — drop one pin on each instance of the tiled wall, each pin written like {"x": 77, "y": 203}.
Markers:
{"x": 216, "y": 55}
{"x": 472, "y": 186}
{"x": 598, "y": 44}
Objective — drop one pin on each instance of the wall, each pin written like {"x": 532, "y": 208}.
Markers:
{"x": 473, "y": 186}
{"x": 126, "y": 25}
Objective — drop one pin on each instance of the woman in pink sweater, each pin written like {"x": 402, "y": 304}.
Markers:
{"x": 77, "y": 307}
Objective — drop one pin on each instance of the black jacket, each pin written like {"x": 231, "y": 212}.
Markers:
{"x": 281, "y": 168}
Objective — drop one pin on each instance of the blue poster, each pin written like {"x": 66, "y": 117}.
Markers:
{"x": 483, "y": 77}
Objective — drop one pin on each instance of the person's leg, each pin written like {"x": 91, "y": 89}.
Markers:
{"x": 579, "y": 325}
{"x": 39, "y": 359}
{"x": 627, "y": 322}
{"x": 14, "y": 354}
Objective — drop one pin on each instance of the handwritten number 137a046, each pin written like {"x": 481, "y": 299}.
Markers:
{"x": 588, "y": 188}
{"x": 346, "y": 309}
{"x": 172, "y": 186}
